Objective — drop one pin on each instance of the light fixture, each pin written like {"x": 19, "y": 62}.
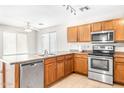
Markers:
{"x": 70, "y": 8}
{"x": 84, "y": 8}
{"x": 28, "y": 27}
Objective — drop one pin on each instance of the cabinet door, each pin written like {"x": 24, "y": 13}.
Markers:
{"x": 119, "y": 72}
{"x": 72, "y": 34}
{"x": 71, "y": 65}
{"x": 50, "y": 73}
{"x": 96, "y": 26}
{"x": 1, "y": 75}
{"x": 60, "y": 69}
{"x": 85, "y": 66}
{"x": 81, "y": 65}
{"x": 84, "y": 34}
{"x": 119, "y": 30}
{"x": 108, "y": 25}
{"x": 78, "y": 65}
{"x": 68, "y": 66}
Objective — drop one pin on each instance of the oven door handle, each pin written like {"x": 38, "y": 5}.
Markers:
{"x": 100, "y": 58}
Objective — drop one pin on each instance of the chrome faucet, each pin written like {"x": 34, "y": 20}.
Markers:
{"x": 46, "y": 52}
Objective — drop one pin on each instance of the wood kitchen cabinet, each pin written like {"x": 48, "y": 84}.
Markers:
{"x": 119, "y": 30}
{"x": 107, "y": 25}
{"x": 119, "y": 70}
{"x": 1, "y": 75}
{"x": 60, "y": 67}
{"x": 81, "y": 64}
{"x": 50, "y": 71}
{"x": 84, "y": 33}
{"x": 96, "y": 26}
{"x": 68, "y": 64}
{"x": 72, "y": 34}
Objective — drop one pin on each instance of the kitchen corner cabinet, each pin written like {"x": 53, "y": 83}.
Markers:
{"x": 96, "y": 26}
{"x": 84, "y": 33}
{"x": 81, "y": 63}
{"x": 119, "y": 30}
{"x": 107, "y": 25}
{"x": 119, "y": 70}
{"x": 68, "y": 64}
{"x": 60, "y": 67}
{"x": 72, "y": 34}
{"x": 50, "y": 71}
{"x": 1, "y": 75}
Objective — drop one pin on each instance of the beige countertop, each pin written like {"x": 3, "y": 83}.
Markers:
{"x": 19, "y": 59}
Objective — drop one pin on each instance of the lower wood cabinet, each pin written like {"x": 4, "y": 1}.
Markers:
{"x": 50, "y": 71}
{"x": 119, "y": 70}
{"x": 1, "y": 74}
{"x": 81, "y": 64}
{"x": 68, "y": 64}
{"x": 60, "y": 67}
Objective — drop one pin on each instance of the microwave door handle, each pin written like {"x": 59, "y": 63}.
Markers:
{"x": 108, "y": 36}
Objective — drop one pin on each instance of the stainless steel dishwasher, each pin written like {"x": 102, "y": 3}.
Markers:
{"x": 32, "y": 75}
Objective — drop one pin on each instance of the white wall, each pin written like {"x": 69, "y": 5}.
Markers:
{"x": 31, "y": 37}
{"x": 32, "y": 43}
{"x": 61, "y": 37}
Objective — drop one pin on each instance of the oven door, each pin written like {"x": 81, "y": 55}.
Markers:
{"x": 102, "y": 37}
{"x": 101, "y": 64}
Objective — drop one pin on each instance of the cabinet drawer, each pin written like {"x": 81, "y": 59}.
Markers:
{"x": 119, "y": 59}
{"x": 81, "y": 55}
{"x": 60, "y": 58}
{"x": 50, "y": 60}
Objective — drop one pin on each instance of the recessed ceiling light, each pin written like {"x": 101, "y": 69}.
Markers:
{"x": 40, "y": 24}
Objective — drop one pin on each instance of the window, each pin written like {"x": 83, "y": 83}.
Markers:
{"x": 21, "y": 44}
{"x": 9, "y": 43}
{"x": 48, "y": 42}
{"x": 14, "y": 43}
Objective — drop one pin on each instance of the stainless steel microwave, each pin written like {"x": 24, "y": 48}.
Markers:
{"x": 102, "y": 37}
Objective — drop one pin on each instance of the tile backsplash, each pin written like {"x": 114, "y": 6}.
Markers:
{"x": 119, "y": 47}
{"x": 80, "y": 46}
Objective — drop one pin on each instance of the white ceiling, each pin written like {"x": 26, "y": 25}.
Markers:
{"x": 51, "y": 15}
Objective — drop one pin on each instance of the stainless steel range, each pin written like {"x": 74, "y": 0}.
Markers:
{"x": 100, "y": 63}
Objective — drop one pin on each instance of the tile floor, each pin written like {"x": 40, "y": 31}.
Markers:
{"x": 79, "y": 81}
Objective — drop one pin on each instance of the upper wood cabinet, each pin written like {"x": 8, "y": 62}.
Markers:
{"x": 103, "y": 26}
{"x": 96, "y": 26}
{"x": 107, "y": 25}
{"x": 84, "y": 33}
{"x": 72, "y": 34}
{"x": 119, "y": 30}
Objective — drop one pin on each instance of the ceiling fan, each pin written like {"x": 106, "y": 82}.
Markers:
{"x": 30, "y": 28}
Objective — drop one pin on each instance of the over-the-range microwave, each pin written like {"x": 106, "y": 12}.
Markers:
{"x": 102, "y": 37}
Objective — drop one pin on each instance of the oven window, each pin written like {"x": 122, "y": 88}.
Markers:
{"x": 100, "y": 64}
